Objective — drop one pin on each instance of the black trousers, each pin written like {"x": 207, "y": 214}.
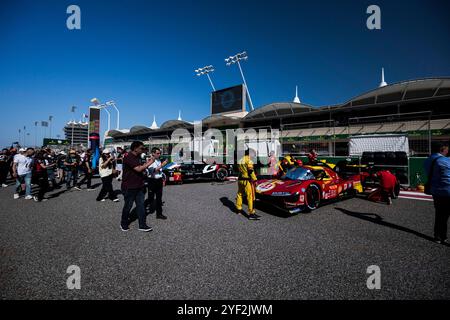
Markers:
{"x": 42, "y": 180}
{"x": 88, "y": 178}
{"x": 107, "y": 189}
{"x": 155, "y": 189}
{"x": 133, "y": 196}
{"x": 4, "y": 168}
{"x": 442, "y": 213}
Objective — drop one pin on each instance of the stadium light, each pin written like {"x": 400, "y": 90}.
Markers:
{"x": 235, "y": 59}
{"x": 206, "y": 70}
{"x": 113, "y": 104}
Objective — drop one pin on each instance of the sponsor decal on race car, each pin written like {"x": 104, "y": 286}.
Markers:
{"x": 281, "y": 194}
{"x": 209, "y": 168}
{"x": 267, "y": 186}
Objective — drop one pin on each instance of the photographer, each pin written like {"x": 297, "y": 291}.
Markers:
{"x": 86, "y": 167}
{"x": 50, "y": 163}
{"x": 155, "y": 183}
{"x": 61, "y": 169}
{"x": 4, "y": 167}
{"x": 119, "y": 162}
{"x": 133, "y": 186}
{"x": 71, "y": 164}
{"x": 106, "y": 168}
{"x": 41, "y": 175}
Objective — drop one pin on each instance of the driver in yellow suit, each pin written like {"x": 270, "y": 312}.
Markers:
{"x": 246, "y": 185}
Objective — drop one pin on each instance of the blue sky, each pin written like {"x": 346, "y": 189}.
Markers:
{"x": 142, "y": 54}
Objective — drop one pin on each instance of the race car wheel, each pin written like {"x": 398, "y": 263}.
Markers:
{"x": 312, "y": 197}
{"x": 221, "y": 174}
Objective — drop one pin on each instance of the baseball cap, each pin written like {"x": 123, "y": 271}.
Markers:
{"x": 22, "y": 150}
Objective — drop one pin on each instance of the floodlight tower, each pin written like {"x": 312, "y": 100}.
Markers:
{"x": 206, "y": 70}
{"x": 113, "y": 104}
{"x": 235, "y": 59}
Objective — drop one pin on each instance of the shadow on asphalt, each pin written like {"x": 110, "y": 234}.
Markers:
{"x": 230, "y": 205}
{"x": 56, "y": 194}
{"x": 375, "y": 218}
{"x": 259, "y": 206}
{"x": 96, "y": 185}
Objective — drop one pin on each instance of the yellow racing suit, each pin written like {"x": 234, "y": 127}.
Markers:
{"x": 246, "y": 186}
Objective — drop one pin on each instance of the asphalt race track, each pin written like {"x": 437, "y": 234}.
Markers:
{"x": 205, "y": 251}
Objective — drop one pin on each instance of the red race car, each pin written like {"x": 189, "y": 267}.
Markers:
{"x": 304, "y": 188}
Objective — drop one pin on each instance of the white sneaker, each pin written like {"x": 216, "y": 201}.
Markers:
{"x": 28, "y": 197}
{"x": 116, "y": 200}
{"x": 35, "y": 198}
{"x": 76, "y": 188}
{"x": 4, "y": 185}
{"x": 16, "y": 196}
{"x": 103, "y": 200}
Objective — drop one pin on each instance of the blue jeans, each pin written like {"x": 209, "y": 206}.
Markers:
{"x": 130, "y": 196}
{"x": 26, "y": 178}
{"x": 71, "y": 175}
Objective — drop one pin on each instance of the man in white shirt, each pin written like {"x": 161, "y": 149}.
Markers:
{"x": 22, "y": 171}
{"x": 155, "y": 182}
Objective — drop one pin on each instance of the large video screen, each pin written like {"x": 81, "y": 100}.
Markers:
{"x": 228, "y": 100}
{"x": 94, "y": 120}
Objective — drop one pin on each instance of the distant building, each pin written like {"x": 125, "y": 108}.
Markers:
{"x": 80, "y": 133}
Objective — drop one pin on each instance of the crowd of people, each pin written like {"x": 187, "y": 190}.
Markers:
{"x": 51, "y": 170}
{"x": 141, "y": 173}
{"x": 139, "y": 169}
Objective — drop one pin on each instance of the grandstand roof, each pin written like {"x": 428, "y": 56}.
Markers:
{"x": 278, "y": 109}
{"x": 175, "y": 124}
{"x": 403, "y": 91}
{"x": 220, "y": 119}
{"x": 115, "y": 133}
{"x": 140, "y": 130}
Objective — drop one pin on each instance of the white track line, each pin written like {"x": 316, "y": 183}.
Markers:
{"x": 421, "y": 199}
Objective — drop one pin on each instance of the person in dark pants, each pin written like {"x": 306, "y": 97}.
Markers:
{"x": 10, "y": 161}
{"x": 86, "y": 167}
{"x": 4, "y": 167}
{"x": 50, "y": 163}
{"x": 61, "y": 173}
{"x": 133, "y": 186}
{"x": 41, "y": 176}
{"x": 71, "y": 163}
{"x": 155, "y": 183}
{"x": 105, "y": 168}
{"x": 437, "y": 167}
